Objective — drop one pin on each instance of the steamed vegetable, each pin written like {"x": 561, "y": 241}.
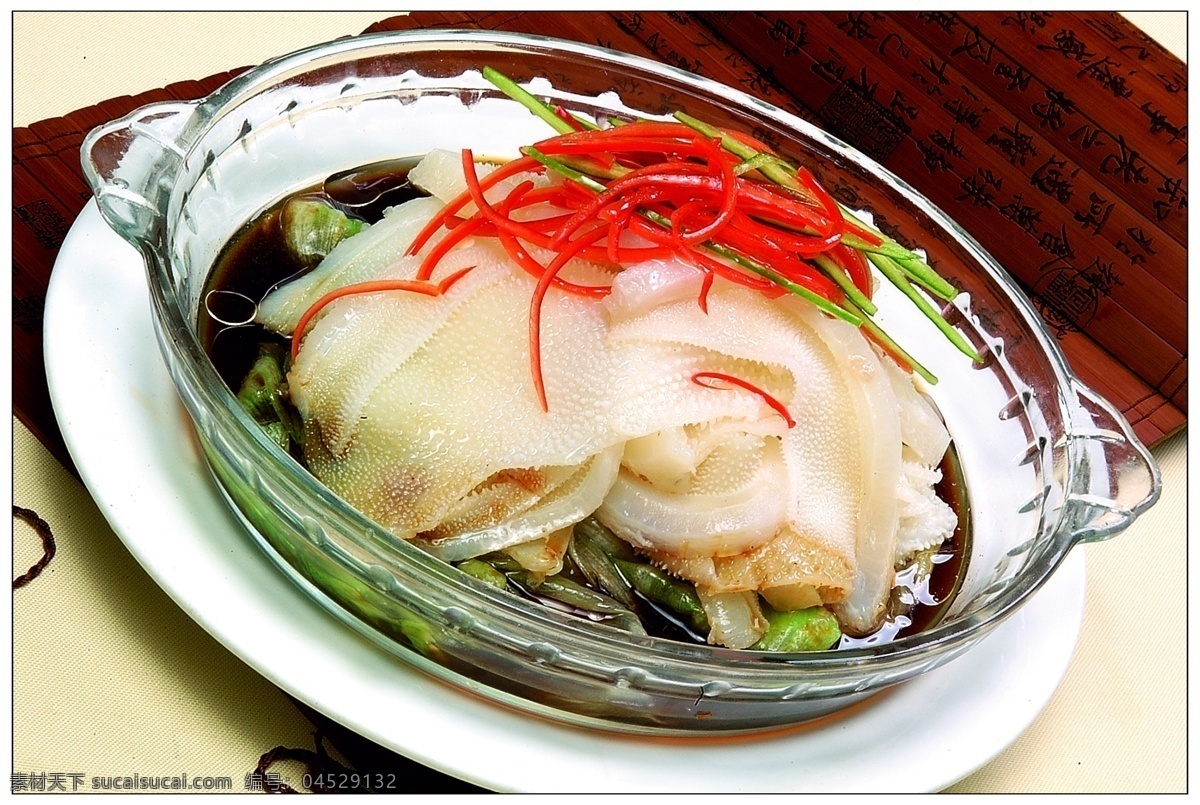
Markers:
{"x": 313, "y": 227}
{"x": 812, "y": 629}
{"x": 263, "y": 394}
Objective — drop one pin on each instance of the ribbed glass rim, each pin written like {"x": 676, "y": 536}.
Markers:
{"x": 237, "y": 425}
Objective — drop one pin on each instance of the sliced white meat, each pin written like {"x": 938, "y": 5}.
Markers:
{"x": 871, "y": 403}
{"x": 362, "y": 257}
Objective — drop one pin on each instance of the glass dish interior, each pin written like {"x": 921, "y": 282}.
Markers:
{"x": 291, "y": 123}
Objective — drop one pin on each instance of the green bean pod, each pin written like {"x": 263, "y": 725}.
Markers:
{"x": 600, "y": 571}
{"x": 661, "y": 588}
{"x": 580, "y": 597}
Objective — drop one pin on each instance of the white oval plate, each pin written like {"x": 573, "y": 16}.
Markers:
{"x": 132, "y": 443}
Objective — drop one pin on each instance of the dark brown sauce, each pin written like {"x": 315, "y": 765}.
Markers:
{"x": 257, "y": 260}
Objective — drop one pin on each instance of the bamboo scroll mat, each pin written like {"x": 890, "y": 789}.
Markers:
{"x": 1058, "y": 140}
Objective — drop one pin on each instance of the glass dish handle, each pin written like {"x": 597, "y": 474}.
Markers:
{"x": 1120, "y": 477}
{"x": 131, "y": 165}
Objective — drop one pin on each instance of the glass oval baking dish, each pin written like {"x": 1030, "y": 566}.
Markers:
{"x": 1047, "y": 464}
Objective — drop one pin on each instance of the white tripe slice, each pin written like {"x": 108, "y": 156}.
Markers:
{"x": 869, "y": 402}
{"x": 577, "y": 270}
{"x": 419, "y": 419}
{"x": 503, "y": 496}
{"x": 440, "y": 175}
{"x": 655, "y": 389}
{"x": 559, "y": 507}
{"x": 643, "y": 286}
{"x": 360, "y": 339}
{"x": 736, "y": 502}
{"x": 828, "y": 456}
{"x": 926, "y": 521}
{"x": 356, "y": 259}
{"x": 921, "y": 427}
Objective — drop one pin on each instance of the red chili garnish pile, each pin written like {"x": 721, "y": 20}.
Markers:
{"x": 673, "y": 188}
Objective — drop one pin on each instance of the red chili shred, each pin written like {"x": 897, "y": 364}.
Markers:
{"x": 699, "y": 377}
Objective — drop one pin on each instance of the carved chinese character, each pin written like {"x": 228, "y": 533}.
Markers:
{"x": 780, "y": 30}
{"x": 936, "y": 68}
{"x": 857, "y": 26}
{"x": 1103, "y": 73}
{"x": 977, "y": 187}
{"x": 1057, "y": 245}
{"x": 49, "y": 228}
{"x": 901, "y": 106}
{"x": 1102, "y": 276}
{"x": 946, "y": 143}
{"x": 1051, "y": 112}
{"x": 661, "y": 47}
{"x": 1017, "y": 76}
{"x": 1135, "y": 258}
{"x": 934, "y": 158}
{"x": 1175, "y": 199}
{"x": 1159, "y": 122}
{"x": 633, "y": 25}
{"x": 1069, "y": 45}
{"x": 965, "y": 114}
{"x": 1138, "y": 50}
{"x": 1124, "y": 163}
{"x": 1023, "y": 215}
{"x": 763, "y": 80}
{"x": 942, "y": 19}
{"x": 976, "y": 46}
{"x": 1141, "y": 239}
{"x": 794, "y": 40}
{"x": 1096, "y": 215}
{"x": 832, "y": 69}
{"x": 1034, "y": 19}
{"x": 1015, "y": 144}
{"x": 897, "y": 43}
{"x": 1173, "y": 84}
{"x": 1088, "y": 136}
{"x": 862, "y": 85}
{"x": 1051, "y": 180}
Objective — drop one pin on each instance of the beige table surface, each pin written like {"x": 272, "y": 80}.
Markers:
{"x": 110, "y": 678}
